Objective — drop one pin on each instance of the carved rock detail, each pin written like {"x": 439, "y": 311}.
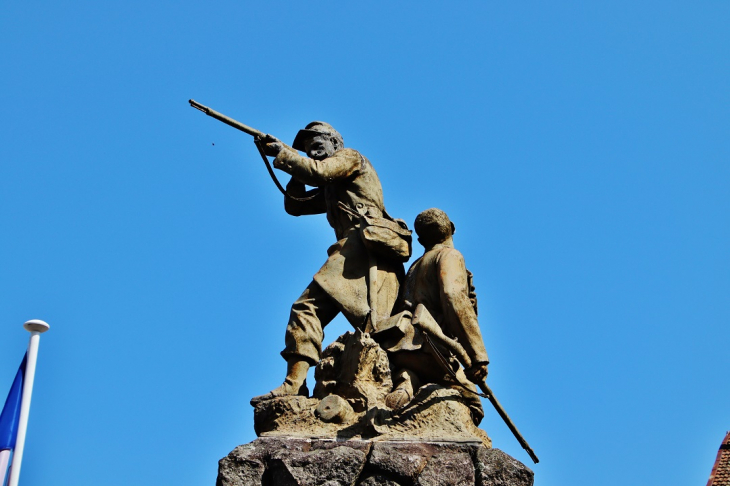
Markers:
{"x": 353, "y": 379}
{"x": 355, "y": 368}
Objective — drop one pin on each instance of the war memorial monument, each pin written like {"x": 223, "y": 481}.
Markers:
{"x": 397, "y": 400}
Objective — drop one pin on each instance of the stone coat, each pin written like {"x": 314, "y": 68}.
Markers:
{"x": 349, "y": 178}
{"x": 440, "y": 281}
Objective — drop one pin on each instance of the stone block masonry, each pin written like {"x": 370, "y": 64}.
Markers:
{"x": 280, "y": 461}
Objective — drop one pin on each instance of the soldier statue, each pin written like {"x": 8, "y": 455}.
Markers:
{"x": 355, "y": 280}
{"x": 412, "y": 367}
{"x": 440, "y": 282}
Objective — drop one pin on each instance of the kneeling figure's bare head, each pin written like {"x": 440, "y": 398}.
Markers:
{"x": 318, "y": 140}
{"x": 433, "y": 226}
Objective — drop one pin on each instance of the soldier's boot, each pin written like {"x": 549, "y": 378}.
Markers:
{"x": 295, "y": 382}
{"x": 403, "y": 391}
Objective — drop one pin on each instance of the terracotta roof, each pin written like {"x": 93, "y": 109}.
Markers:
{"x": 720, "y": 475}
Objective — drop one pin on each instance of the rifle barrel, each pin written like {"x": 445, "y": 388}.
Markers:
{"x": 498, "y": 407}
{"x": 423, "y": 319}
{"x": 227, "y": 120}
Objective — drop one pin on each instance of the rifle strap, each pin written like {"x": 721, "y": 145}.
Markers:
{"x": 447, "y": 367}
{"x": 259, "y": 146}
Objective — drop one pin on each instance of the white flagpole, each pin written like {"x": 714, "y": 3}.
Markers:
{"x": 35, "y": 327}
{"x": 4, "y": 457}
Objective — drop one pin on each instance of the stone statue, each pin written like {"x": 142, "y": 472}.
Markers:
{"x": 361, "y": 428}
{"x": 441, "y": 283}
{"x": 354, "y": 280}
{"x": 394, "y": 377}
{"x": 395, "y": 400}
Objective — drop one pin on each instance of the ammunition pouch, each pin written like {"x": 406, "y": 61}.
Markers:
{"x": 388, "y": 238}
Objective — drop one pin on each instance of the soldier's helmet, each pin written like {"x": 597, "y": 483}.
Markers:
{"x": 317, "y": 128}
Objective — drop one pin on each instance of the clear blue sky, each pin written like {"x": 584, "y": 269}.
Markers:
{"x": 581, "y": 148}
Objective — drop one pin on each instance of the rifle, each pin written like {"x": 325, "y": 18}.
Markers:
{"x": 425, "y": 321}
{"x": 227, "y": 120}
{"x": 258, "y": 138}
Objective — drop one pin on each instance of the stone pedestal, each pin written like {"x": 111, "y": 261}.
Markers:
{"x": 281, "y": 461}
{"x": 346, "y": 435}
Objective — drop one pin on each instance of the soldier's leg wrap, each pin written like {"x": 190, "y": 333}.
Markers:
{"x": 311, "y": 312}
{"x": 472, "y": 399}
{"x": 387, "y": 293}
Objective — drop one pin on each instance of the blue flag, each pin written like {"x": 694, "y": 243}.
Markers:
{"x": 10, "y": 416}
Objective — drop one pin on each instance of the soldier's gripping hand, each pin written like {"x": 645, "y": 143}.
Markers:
{"x": 476, "y": 372}
{"x": 272, "y": 145}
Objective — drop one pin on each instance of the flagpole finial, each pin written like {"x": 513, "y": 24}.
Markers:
{"x": 36, "y": 325}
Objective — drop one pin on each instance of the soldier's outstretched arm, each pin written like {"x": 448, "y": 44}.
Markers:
{"x": 316, "y": 205}
{"x": 342, "y": 165}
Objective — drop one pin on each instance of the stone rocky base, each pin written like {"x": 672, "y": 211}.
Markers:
{"x": 436, "y": 414}
{"x": 352, "y": 380}
{"x": 278, "y": 461}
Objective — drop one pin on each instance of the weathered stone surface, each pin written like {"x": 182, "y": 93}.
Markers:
{"x": 296, "y": 416}
{"x": 495, "y": 468}
{"x": 240, "y": 473}
{"x": 403, "y": 460}
{"x": 450, "y": 467}
{"x": 355, "y": 368}
{"x": 277, "y": 461}
{"x": 377, "y": 480}
{"x": 246, "y": 464}
{"x": 349, "y": 403}
{"x": 285, "y": 414}
{"x": 334, "y": 408}
{"x": 434, "y": 414}
{"x": 336, "y": 466}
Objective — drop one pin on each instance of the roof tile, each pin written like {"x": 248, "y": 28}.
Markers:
{"x": 720, "y": 475}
